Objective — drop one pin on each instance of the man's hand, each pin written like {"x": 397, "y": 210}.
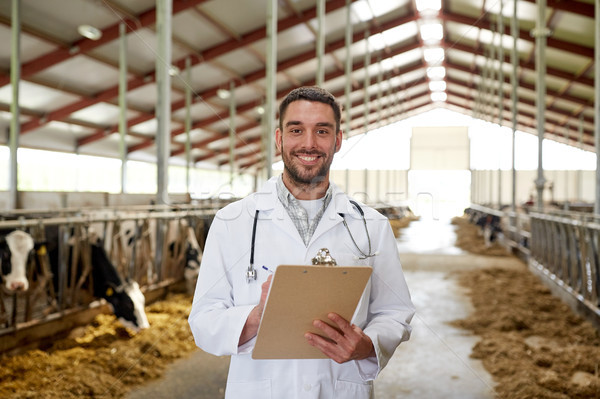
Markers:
{"x": 251, "y": 327}
{"x": 347, "y": 342}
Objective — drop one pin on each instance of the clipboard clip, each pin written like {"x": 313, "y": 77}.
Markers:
{"x": 323, "y": 257}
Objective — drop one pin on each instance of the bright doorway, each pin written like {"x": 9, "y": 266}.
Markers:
{"x": 439, "y": 194}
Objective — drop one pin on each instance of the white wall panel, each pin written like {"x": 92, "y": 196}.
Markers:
{"x": 440, "y": 148}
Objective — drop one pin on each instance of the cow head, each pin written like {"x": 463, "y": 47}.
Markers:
{"x": 15, "y": 250}
{"x": 127, "y": 302}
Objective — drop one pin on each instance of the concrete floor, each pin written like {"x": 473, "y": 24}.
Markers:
{"x": 435, "y": 363}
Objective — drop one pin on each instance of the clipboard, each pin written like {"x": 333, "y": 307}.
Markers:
{"x": 299, "y": 295}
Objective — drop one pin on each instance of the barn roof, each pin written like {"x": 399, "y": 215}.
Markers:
{"x": 70, "y": 83}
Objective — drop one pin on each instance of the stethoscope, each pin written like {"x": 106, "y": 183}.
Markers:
{"x": 251, "y": 271}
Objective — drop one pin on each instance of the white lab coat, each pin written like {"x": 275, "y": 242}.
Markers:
{"x": 223, "y": 299}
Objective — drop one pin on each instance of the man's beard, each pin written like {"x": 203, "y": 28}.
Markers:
{"x": 303, "y": 179}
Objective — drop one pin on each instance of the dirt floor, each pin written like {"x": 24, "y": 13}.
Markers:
{"x": 103, "y": 359}
{"x": 531, "y": 342}
{"x": 470, "y": 239}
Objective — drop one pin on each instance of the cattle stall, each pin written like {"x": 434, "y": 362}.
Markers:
{"x": 561, "y": 247}
{"x": 147, "y": 245}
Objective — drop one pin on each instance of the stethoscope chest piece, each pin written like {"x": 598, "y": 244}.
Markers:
{"x": 250, "y": 274}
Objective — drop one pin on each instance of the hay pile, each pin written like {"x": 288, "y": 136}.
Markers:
{"x": 103, "y": 359}
{"x": 531, "y": 342}
{"x": 403, "y": 222}
{"x": 468, "y": 238}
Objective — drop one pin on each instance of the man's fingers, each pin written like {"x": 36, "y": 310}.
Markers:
{"x": 327, "y": 346}
{"x": 342, "y": 323}
{"x": 334, "y": 334}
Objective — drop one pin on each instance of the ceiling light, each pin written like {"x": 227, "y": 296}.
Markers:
{"x": 174, "y": 70}
{"x": 376, "y": 42}
{"x": 223, "y": 94}
{"x": 436, "y": 73}
{"x": 438, "y": 96}
{"x": 363, "y": 11}
{"x": 260, "y": 110}
{"x": 90, "y": 32}
{"x": 432, "y": 31}
{"x": 429, "y": 5}
{"x": 433, "y": 55}
{"x": 437, "y": 85}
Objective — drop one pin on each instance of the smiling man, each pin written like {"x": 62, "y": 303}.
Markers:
{"x": 289, "y": 221}
{"x": 308, "y": 136}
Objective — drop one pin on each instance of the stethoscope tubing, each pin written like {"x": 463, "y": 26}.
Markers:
{"x": 251, "y": 272}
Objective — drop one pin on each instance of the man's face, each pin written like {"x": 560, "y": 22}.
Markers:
{"x": 308, "y": 141}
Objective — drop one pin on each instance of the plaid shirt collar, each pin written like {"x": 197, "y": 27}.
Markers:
{"x": 298, "y": 214}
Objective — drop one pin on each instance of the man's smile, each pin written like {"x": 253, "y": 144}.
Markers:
{"x": 308, "y": 158}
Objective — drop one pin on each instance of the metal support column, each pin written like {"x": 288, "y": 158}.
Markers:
{"x": 377, "y": 185}
{"x": 579, "y": 171}
{"x": 163, "y": 106}
{"x": 540, "y": 34}
{"x": 367, "y": 80}
{"x": 232, "y": 113}
{"x": 514, "y": 59}
{"x": 271, "y": 82}
{"x": 500, "y": 26}
{"x": 366, "y": 181}
{"x": 163, "y": 118}
{"x": 379, "y": 91}
{"x": 491, "y": 89}
{"x": 320, "y": 43}
{"x": 566, "y": 174}
{"x": 188, "y": 123}
{"x": 348, "y": 67}
{"x": 597, "y": 105}
{"x": 347, "y": 188}
{"x": 123, "y": 103}
{"x": 348, "y": 77}
{"x": 15, "y": 108}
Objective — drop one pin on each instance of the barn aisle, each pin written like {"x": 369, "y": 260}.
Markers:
{"x": 435, "y": 363}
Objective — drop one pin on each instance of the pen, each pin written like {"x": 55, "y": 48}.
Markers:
{"x": 267, "y": 269}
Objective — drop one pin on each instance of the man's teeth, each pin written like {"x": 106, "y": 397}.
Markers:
{"x": 308, "y": 159}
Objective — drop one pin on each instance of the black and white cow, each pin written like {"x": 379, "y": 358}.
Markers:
{"x": 489, "y": 227}
{"x": 15, "y": 248}
{"x": 125, "y": 297}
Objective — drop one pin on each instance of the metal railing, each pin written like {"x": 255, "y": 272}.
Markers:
{"x": 129, "y": 237}
{"x": 569, "y": 249}
{"x": 564, "y": 246}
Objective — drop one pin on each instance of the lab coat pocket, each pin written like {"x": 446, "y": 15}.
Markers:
{"x": 252, "y": 389}
{"x": 350, "y": 389}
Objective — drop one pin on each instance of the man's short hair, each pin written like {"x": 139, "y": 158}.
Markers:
{"x": 311, "y": 93}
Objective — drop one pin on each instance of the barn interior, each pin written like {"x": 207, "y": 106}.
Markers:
{"x": 166, "y": 109}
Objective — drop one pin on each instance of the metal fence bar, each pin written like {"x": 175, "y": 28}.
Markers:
{"x": 72, "y": 238}
{"x": 564, "y": 246}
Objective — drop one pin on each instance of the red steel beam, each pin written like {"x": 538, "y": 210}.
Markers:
{"x": 507, "y": 119}
{"x": 260, "y": 74}
{"x": 449, "y": 46}
{"x": 411, "y": 109}
{"x": 372, "y": 100}
{"x": 84, "y": 45}
{"x": 217, "y": 51}
{"x": 575, "y": 7}
{"x": 205, "y": 56}
{"x": 523, "y": 34}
